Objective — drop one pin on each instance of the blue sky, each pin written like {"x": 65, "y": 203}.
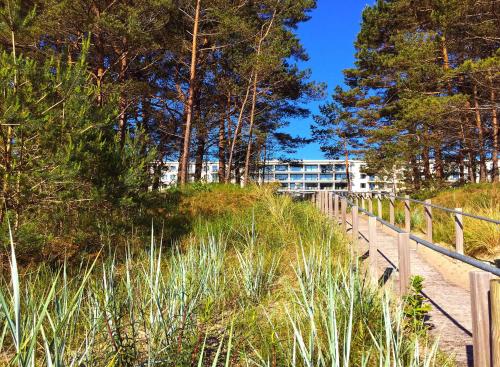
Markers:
{"x": 328, "y": 39}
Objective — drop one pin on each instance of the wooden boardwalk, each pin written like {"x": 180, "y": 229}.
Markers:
{"x": 450, "y": 318}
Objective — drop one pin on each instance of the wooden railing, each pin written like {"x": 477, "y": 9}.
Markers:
{"x": 484, "y": 283}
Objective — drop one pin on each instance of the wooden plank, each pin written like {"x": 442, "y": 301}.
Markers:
{"x": 370, "y": 203}
{"x": 459, "y": 232}
{"x": 344, "y": 213}
{"x": 336, "y": 206}
{"x": 495, "y": 321}
{"x": 379, "y": 205}
{"x": 404, "y": 262}
{"x": 428, "y": 219}
{"x": 329, "y": 196}
{"x": 479, "y": 293}
{"x": 391, "y": 209}
{"x": 325, "y": 203}
{"x": 407, "y": 214}
{"x": 355, "y": 224}
{"x": 372, "y": 238}
{"x": 363, "y": 201}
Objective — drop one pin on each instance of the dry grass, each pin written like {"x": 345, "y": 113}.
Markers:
{"x": 482, "y": 239}
{"x": 268, "y": 283}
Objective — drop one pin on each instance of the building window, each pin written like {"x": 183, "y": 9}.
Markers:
{"x": 298, "y": 185}
{"x": 340, "y": 168}
{"x": 172, "y": 168}
{"x": 340, "y": 176}
{"x": 311, "y": 167}
{"x": 296, "y": 168}
{"x": 282, "y": 177}
{"x": 296, "y": 177}
{"x": 363, "y": 176}
{"x": 326, "y": 185}
{"x": 341, "y": 186}
{"x": 326, "y": 168}
{"x": 363, "y": 185}
{"x": 311, "y": 186}
{"x": 326, "y": 177}
{"x": 284, "y": 186}
{"x": 215, "y": 168}
{"x": 268, "y": 169}
{"x": 372, "y": 186}
{"x": 311, "y": 177}
{"x": 215, "y": 177}
{"x": 281, "y": 167}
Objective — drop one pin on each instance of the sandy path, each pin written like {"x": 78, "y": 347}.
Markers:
{"x": 450, "y": 317}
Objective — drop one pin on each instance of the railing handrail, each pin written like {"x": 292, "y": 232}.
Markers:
{"x": 449, "y": 210}
{"x": 455, "y": 255}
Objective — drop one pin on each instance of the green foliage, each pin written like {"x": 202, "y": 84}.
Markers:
{"x": 66, "y": 164}
{"x": 416, "y": 308}
{"x": 422, "y": 96}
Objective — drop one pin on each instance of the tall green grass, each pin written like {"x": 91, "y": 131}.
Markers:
{"x": 271, "y": 285}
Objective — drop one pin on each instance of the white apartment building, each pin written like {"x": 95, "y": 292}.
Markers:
{"x": 306, "y": 175}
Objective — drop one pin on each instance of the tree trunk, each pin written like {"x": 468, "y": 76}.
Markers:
{"x": 415, "y": 172}
{"x": 264, "y": 163}
{"x": 427, "y": 164}
{"x": 346, "y": 156}
{"x": 495, "y": 174}
{"x": 201, "y": 137}
{"x": 438, "y": 162}
{"x": 480, "y": 139}
{"x": 183, "y": 169}
{"x": 122, "y": 119}
{"x": 236, "y": 133}
{"x": 222, "y": 140}
{"x": 250, "y": 130}
{"x": 248, "y": 155}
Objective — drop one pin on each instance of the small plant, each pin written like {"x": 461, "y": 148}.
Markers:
{"x": 415, "y": 308}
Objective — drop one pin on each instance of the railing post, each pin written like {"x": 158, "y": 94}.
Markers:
{"x": 391, "y": 209}
{"x": 372, "y": 251}
{"x": 428, "y": 219}
{"x": 459, "y": 232}
{"x": 355, "y": 224}
{"x": 407, "y": 214}
{"x": 379, "y": 205}
{"x": 495, "y": 320}
{"x": 323, "y": 199}
{"x": 344, "y": 212}
{"x": 325, "y": 195}
{"x": 479, "y": 293}
{"x": 404, "y": 262}
{"x": 329, "y": 205}
{"x": 363, "y": 201}
{"x": 336, "y": 206}
{"x": 370, "y": 203}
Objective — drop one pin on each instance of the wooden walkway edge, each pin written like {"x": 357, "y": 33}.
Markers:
{"x": 450, "y": 318}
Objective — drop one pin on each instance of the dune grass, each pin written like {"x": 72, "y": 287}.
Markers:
{"x": 482, "y": 239}
{"x": 267, "y": 283}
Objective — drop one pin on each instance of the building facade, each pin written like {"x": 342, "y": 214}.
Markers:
{"x": 309, "y": 175}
